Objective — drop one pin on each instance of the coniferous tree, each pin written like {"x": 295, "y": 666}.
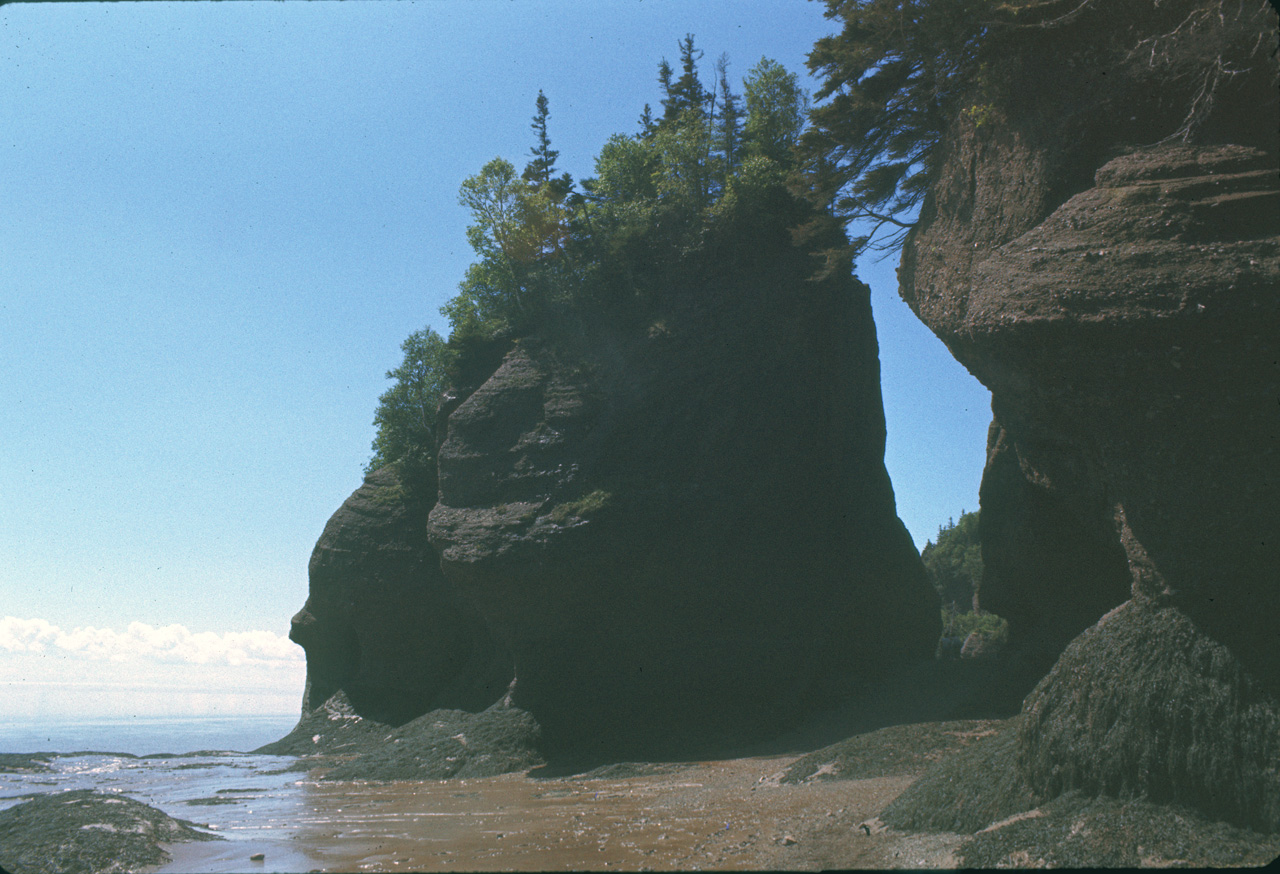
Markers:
{"x": 544, "y": 248}
{"x": 776, "y": 110}
{"x": 539, "y": 169}
{"x": 729, "y": 123}
{"x": 894, "y": 77}
{"x": 686, "y": 94}
{"x": 664, "y": 79}
{"x": 647, "y": 124}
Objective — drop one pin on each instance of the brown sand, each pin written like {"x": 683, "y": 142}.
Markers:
{"x": 732, "y": 815}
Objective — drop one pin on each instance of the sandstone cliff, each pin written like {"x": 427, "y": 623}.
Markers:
{"x": 1101, "y": 248}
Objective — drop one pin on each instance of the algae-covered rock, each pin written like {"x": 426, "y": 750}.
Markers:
{"x": 1147, "y": 704}
{"x": 1078, "y": 831}
{"x": 88, "y": 832}
{"x": 337, "y": 743}
{"x": 892, "y": 751}
{"x": 967, "y": 791}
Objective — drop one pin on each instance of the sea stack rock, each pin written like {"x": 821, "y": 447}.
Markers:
{"x": 683, "y": 531}
{"x": 1101, "y": 248}
{"x": 381, "y": 623}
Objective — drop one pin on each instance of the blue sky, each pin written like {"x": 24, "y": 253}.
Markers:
{"x": 219, "y": 221}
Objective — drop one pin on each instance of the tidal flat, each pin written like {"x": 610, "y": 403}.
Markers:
{"x": 735, "y": 814}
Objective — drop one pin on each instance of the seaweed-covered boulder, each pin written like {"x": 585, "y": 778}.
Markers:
{"x": 381, "y": 623}
{"x": 335, "y": 742}
{"x": 88, "y": 832}
{"x": 1192, "y": 726}
{"x": 683, "y": 531}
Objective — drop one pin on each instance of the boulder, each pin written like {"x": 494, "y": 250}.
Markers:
{"x": 1192, "y": 726}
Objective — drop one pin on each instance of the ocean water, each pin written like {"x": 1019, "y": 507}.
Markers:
{"x": 144, "y": 735}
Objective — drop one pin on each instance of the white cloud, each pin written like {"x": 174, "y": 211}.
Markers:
{"x": 143, "y": 642}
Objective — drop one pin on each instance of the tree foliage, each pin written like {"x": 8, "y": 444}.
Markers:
{"x": 954, "y": 562}
{"x": 776, "y": 111}
{"x": 406, "y": 413}
{"x": 894, "y": 77}
{"x": 544, "y": 244}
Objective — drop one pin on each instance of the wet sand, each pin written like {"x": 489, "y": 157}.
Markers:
{"x": 730, "y": 815}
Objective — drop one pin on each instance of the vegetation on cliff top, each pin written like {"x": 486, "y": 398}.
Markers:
{"x": 708, "y": 178}
{"x": 549, "y": 249}
{"x": 954, "y": 564}
{"x": 954, "y": 561}
{"x": 406, "y": 413}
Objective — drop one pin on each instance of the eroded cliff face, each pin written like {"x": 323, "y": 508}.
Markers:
{"x": 381, "y": 623}
{"x": 1113, "y": 276}
{"x": 685, "y": 534}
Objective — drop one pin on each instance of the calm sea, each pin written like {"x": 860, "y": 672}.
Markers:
{"x": 143, "y": 735}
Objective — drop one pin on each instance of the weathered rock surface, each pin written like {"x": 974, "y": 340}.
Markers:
{"x": 685, "y": 535}
{"x": 381, "y": 623}
{"x": 1122, "y": 302}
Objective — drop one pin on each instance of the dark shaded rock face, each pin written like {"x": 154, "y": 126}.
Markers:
{"x": 685, "y": 535}
{"x": 381, "y": 623}
{"x": 1122, "y": 303}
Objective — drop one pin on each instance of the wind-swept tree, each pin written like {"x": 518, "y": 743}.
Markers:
{"x": 893, "y": 78}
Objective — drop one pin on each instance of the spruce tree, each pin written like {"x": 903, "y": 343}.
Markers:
{"x": 729, "y": 123}
{"x": 539, "y": 170}
{"x": 686, "y": 93}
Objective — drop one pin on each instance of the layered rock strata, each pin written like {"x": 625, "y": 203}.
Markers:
{"x": 1122, "y": 303}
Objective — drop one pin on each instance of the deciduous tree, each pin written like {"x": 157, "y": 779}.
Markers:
{"x": 406, "y": 412}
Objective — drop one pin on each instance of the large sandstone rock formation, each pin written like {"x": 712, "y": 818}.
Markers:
{"x": 659, "y": 535}
{"x": 1103, "y": 252}
{"x": 685, "y": 534}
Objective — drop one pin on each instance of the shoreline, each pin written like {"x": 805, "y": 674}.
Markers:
{"x": 787, "y": 810}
